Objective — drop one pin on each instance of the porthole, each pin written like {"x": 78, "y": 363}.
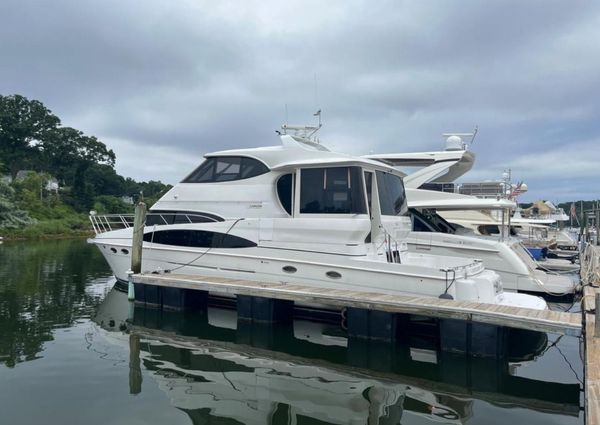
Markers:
{"x": 114, "y": 250}
{"x": 125, "y": 251}
{"x": 333, "y": 274}
{"x": 289, "y": 269}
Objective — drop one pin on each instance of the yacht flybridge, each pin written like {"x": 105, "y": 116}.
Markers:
{"x": 297, "y": 213}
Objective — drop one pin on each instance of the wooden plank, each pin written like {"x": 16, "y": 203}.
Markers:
{"x": 592, "y": 358}
{"x": 427, "y": 306}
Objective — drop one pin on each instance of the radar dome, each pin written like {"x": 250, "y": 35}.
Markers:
{"x": 454, "y": 143}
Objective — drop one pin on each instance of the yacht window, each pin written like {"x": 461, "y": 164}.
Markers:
{"x": 197, "y": 239}
{"x": 489, "y": 229}
{"x": 226, "y": 168}
{"x": 333, "y": 190}
{"x": 160, "y": 218}
{"x": 391, "y": 194}
{"x": 419, "y": 224}
{"x": 285, "y": 191}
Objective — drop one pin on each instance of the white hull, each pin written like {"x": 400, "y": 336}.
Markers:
{"x": 505, "y": 258}
{"x": 357, "y": 273}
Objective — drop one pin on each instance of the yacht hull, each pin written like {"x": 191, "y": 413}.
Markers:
{"x": 359, "y": 273}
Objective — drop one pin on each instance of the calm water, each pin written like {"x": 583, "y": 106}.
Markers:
{"x": 68, "y": 356}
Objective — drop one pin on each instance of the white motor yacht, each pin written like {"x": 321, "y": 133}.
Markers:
{"x": 296, "y": 213}
{"x": 504, "y": 254}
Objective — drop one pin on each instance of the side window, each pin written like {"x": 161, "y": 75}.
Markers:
{"x": 197, "y": 239}
{"x": 419, "y": 225}
{"x": 226, "y": 168}
{"x": 333, "y": 190}
{"x": 285, "y": 191}
{"x": 160, "y": 218}
{"x": 391, "y": 194}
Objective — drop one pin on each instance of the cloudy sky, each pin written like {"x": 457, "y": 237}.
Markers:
{"x": 163, "y": 82}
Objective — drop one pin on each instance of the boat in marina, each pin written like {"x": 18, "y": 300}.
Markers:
{"x": 504, "y": 254}
{"x": 296, "y": 213}
{"x": 485, "y": 210}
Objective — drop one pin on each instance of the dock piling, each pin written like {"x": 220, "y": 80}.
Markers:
{"x": 597, "y": 314}
{"x": 139, "y": 221}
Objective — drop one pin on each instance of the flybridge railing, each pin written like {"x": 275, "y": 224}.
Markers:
{"x": 109, "y": 222}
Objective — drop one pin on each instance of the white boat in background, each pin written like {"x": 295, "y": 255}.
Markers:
{"x": 504, "y": 254}
{"x": 447, "y": 222}
{"x": 297, "y": 213}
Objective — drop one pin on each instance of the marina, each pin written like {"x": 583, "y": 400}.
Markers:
{"x": 194, "y": 251}
{"x": 299, "y": 213}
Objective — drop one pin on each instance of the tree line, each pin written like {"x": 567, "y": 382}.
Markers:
{"x": 33, "y": 140}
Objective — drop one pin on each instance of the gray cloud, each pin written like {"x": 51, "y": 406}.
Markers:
{"x": 164, "y": 82}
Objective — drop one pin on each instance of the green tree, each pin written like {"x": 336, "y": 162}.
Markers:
{"x": 10, "y": 216}
{"x": 23, "y": 124}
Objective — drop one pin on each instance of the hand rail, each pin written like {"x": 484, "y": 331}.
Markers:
{"x": 102, "y": 223}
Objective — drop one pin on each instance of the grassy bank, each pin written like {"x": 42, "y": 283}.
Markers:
{"x": 71, "y": 227}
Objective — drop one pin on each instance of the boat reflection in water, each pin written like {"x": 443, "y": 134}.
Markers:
{"x": 215, "y": 368}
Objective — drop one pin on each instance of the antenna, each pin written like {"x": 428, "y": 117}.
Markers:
{"x": 286, "y": 114}
{"x": 316, "y": 92}
{"x": 454, "y": 141}
{"x": 305, "y": 131}
{"x": 475, "y": 130}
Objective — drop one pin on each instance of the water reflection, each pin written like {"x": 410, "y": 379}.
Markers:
{"x": 43, "y": 286}
{"x": 215, "y": 368}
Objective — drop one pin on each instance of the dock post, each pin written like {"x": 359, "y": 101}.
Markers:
{"x": 136, "y": 248}
{"x": 135, "y": 370}
{"x": 597, "y": 225}
{"x": 597, "y": 314}
{"x": 130, "y": 286}
{"x": 139, "y": 221}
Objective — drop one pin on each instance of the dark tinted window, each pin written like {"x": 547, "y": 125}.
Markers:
{"x": 391, "y": 194}
{"x": 419, "y": 225}
{"x": 334, "y": 190}
{"x": 490, "y": 229}
{"x": 226, "y": 168}
{"x": 160, "y": 218}
{"x": 285, "y": 191}
{"x": 430, "y": 219}
{"x": 197, "y": 239}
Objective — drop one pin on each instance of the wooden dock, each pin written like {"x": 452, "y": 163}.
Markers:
{"x": 523, "y": 318}
{"x": 592, "y": 356}
{"x": 572, "y": 324}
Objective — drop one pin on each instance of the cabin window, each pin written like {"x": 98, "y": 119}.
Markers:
{"x": 226, "y": 168}
{"x": 333, "y": 190}
{"x": 285, "y": 191}
{"x": 159, "y": 218}
{"x": 197, "y": 239}
{"x": 489, "y": 229}
{"x": 419, "y": 224}
{"x": 390, "y": 188}
{"x": 430, "y": 219}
